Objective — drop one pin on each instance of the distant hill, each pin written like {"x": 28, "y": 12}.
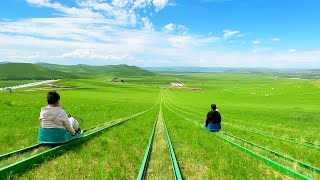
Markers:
{"x": 200, "y": 69}
{"x": 121, "y": 70}
{"x": 281, "y": 72}
{"x": 25, "y": 71}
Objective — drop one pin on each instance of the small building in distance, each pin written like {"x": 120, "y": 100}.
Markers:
{"x": 177, "y": 85}
{"x": 116, "y": 80}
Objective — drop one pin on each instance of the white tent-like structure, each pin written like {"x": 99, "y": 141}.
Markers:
{"x": 30, "y": 84}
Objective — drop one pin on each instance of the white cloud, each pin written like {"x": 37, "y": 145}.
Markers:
{"x": 214, "y": 1}
{"x": 210, "y": 39}
{"x": 80, "y": 53}
{"x": 121, "y": 3}
{"x": 241, "y": 35}
{"x": 69, "y": 28}
{"x": 262, "y": 50}
{"x": 146, "y": 49}
{"x": 169, "y": 27}
{"x": 92, "y": 54}
{"x": 68, "y": 11}
{"x": 256, "y": 42}
{"x": 147, "y": 24}
{"x": 179, "y": 41}
{"x": 141, "y": 3}
{"x": 228, "y": 33}
{"x": 180, "y": 29}
{"x": 117, "y": 32}
{"x": 292, "y": 50}
{"x": 159, "y": 4}
{"x": 275, "y": 39}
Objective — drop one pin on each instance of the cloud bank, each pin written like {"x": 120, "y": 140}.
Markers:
{"x": 102, "y": 32}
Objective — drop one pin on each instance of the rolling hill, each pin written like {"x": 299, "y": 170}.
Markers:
{"x": 26, "y": 71}
{"x": 121, "y": 70}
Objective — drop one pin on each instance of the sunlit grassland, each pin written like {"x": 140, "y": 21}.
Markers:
{"x": 296, "y": 151}
{"x": 281, "y": 107}
{"x": 202, "y": 155}
{"x": 96, "y": 103}
{"x": 115, "y": 154}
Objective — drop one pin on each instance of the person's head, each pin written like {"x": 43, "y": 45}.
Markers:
{"x": 53, "y": 98}
{"x": 213, "y": 106}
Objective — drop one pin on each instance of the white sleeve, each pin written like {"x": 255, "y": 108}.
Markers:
{"x": 66, "y": 123}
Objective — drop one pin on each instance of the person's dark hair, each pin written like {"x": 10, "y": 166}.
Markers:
{"x": 213, "y": 106}
{"x": 53, "y": 97}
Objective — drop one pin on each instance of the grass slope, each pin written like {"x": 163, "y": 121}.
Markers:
{"x": 26, "y": 71}
{"x": 121, "y": 70}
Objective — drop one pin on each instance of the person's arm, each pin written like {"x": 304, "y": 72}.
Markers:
{"x": 66, "y": 123}
{"x": 207, "y": 120}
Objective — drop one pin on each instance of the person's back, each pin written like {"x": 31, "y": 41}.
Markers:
{"x": 213, "y": 117}
{"x": 53, "y": 116}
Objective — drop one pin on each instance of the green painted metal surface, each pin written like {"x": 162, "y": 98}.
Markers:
{"x": 267, "y": 161}
{"x": 145, "y": 161}
{"x": 175, "y": 165}
{"x": 23, "y": 150}
{"x": 306, "y": 144}
{"x": 8, "y": 171}
{"x": 301, "y": 164}
{"x": 13, "y": 153}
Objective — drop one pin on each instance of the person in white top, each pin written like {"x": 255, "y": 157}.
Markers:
{"x": 53, "y": 116}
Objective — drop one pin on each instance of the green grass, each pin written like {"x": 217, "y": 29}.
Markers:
{"x": 295, "y": 151}
{"x": 122, "y": 70}
{"x": 292, "y": 107}
{"x": 159, "y": 166}
{"x": 26, "y": 71}
{"x": 116, "y": 154}
{"x": 201, "y": 155}
{"x": 278, "y": 106}
{"x": 95, "y": 105}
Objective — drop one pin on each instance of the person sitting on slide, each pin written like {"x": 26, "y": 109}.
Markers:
{"x": 213, "y": 116}
{"x": 53, "y": 116}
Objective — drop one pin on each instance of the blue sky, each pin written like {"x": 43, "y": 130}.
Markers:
{"x": 225, "y": 33}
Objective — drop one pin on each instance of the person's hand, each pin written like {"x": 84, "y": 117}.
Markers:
{"x": 78, "y": 130}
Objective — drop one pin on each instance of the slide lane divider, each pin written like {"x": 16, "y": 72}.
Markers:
{"x": 313, "y": 146}
{"x": 8, "y": 155}
{"x": 27, "y": 149}
{"x": 300, "y": 163}
{"x": 32, "y": 147}
{"x": 174, "y": 161}
{"x": 29, "y": 162}
{"x": 286, "y": 139}
{"x": 146, "y": 158}
{"x": 266, "y": 160}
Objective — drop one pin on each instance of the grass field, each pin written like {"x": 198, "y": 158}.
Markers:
{"x": 261, "y": 109}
